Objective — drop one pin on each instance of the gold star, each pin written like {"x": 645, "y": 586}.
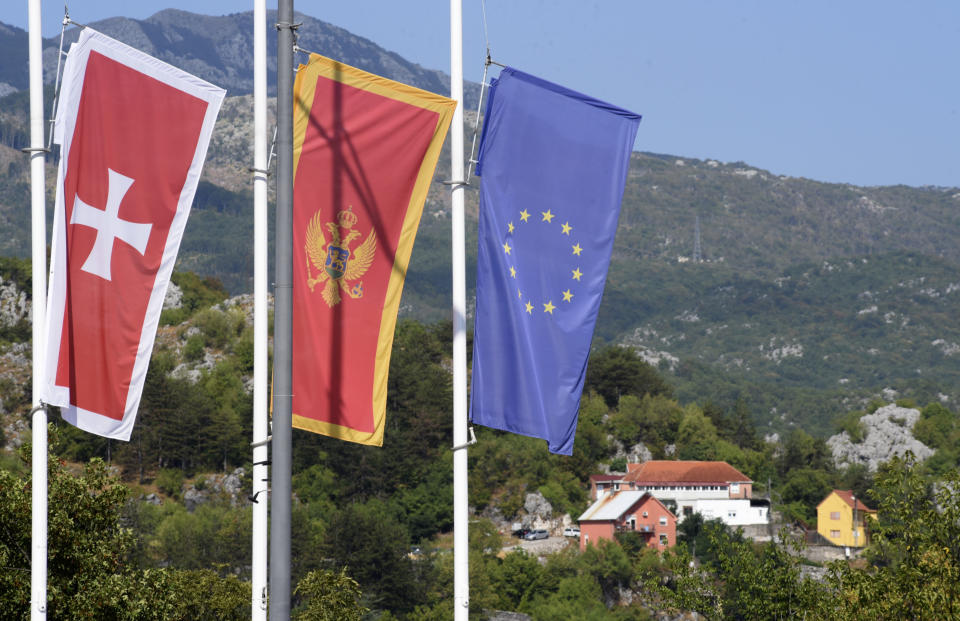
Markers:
{"x": 529, "y": 308}
{"x": 510, "y": 227}
{"x": 548, "y": 307}
{"x": 506, "y": 247}
{"x": 577, "y": 249}
{"x": 567, "y": 296}
{"x": 513, "y": 272}
{"x": 577, "y": 274}
{"x": 519, "y": 295}
{"x": 547, "y": 216}
{"x": 566, "y": 228}
{"x": 524, "y": 215}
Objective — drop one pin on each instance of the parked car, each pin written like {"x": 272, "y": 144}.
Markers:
{"x": 520, "y": 533}
{"x": 536, "y": 534}
{"x": 571, "y": 531}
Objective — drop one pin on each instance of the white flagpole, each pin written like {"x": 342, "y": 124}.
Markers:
{"x": 38, "y": 547}
{"x": 258, "y": 577}
{"x": 461, "y": 565}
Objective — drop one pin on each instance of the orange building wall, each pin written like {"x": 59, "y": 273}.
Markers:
{"x": 592, "y": 532}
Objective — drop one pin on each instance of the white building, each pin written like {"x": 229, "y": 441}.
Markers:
{"x": 714, "y": 489}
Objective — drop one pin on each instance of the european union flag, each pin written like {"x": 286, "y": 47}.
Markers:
{"x": 554, "y": 163}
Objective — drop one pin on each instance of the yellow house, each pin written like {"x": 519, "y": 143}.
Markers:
{"x": 841, "y": 519}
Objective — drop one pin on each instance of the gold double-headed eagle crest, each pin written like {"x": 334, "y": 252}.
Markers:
{"x": 336, "y": 262}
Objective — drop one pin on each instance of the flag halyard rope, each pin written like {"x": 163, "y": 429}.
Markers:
{"x": 56, "y": 88}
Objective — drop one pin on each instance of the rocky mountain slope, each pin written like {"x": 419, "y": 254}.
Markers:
{"x": 219, "y": 49}
{"x": 810, "y": 299}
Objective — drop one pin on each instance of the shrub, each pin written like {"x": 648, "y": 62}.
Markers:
{"x": 170, "y": 482}
{"x": 193, "y": 350}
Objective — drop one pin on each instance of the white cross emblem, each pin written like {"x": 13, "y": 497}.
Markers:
{"x": 109, "y": 226}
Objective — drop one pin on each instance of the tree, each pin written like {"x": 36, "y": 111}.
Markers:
{"x": 696, "y": 437}
{"x": 617, "y": 371}
{"x": 801, "y": 450}
{"x": 609, "y": 566}
{"x": 803, "y": 490}
{"x": 515, "y": 579}
{"x": 743, "y": 581}
{"x": 652, "y": 419}
{"x": 329, "y": 596}
{"x": 764, "y": 582}
{"x": 89, "y": 570}
{"x": 914, "y": 570}
{"x": 374, "y": 545}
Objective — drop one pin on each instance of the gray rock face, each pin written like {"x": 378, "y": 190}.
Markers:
{"x": 888, "y": 434}
{"x": 639, "y": 454}
{"x": 537, "y": 506}
{"x": 173, "y": 298}
{"x": 14, "y": 306}
{"x": 222, "y": 487}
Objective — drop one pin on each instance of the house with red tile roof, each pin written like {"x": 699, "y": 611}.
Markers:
{"x": 629, "y": 511}
{"x": 843, "y": 519}
{"x": 715, "y": 489}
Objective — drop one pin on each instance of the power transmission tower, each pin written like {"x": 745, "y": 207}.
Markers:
{"x": 697, "y": 255}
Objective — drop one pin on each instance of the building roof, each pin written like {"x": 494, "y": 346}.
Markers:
{"x": 602, "y": 478}
{"x": 848, "y": 497}
{"x": 662, "y": 471}
{"x": 613, "y": 506}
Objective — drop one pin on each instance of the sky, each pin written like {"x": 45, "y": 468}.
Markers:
{"x": 855, "y": 91}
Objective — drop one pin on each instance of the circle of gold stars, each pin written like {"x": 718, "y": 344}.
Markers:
{"x": 564, "y": 296}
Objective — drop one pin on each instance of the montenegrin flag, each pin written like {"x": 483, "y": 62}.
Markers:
{"x": 364, "y": 152}
{"x": 553, "y": 164}
{"x": 133, "y": 133}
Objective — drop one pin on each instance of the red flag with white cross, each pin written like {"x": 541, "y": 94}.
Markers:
{"x": 133, "y": 133}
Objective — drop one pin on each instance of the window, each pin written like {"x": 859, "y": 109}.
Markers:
{"x": 731, "y": 514}
{"x": 835, "y": 534}
{"x": 663, "y": 520}
{"x": 663, "y": 540}
{"x": 644, "y": 514}
{"x": 687, "y": 510}
{"x": 834, "y": 515}
{"x": 734, "y": 488}
{"x": 616, "y": 487}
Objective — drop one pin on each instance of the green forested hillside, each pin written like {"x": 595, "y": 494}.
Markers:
{"x": 800, "y": 347}
{"x": 359, "y": 509}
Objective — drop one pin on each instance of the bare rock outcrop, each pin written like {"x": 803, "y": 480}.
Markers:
{"x": 14, "y": 305}
{"x": 888, "y": 433}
